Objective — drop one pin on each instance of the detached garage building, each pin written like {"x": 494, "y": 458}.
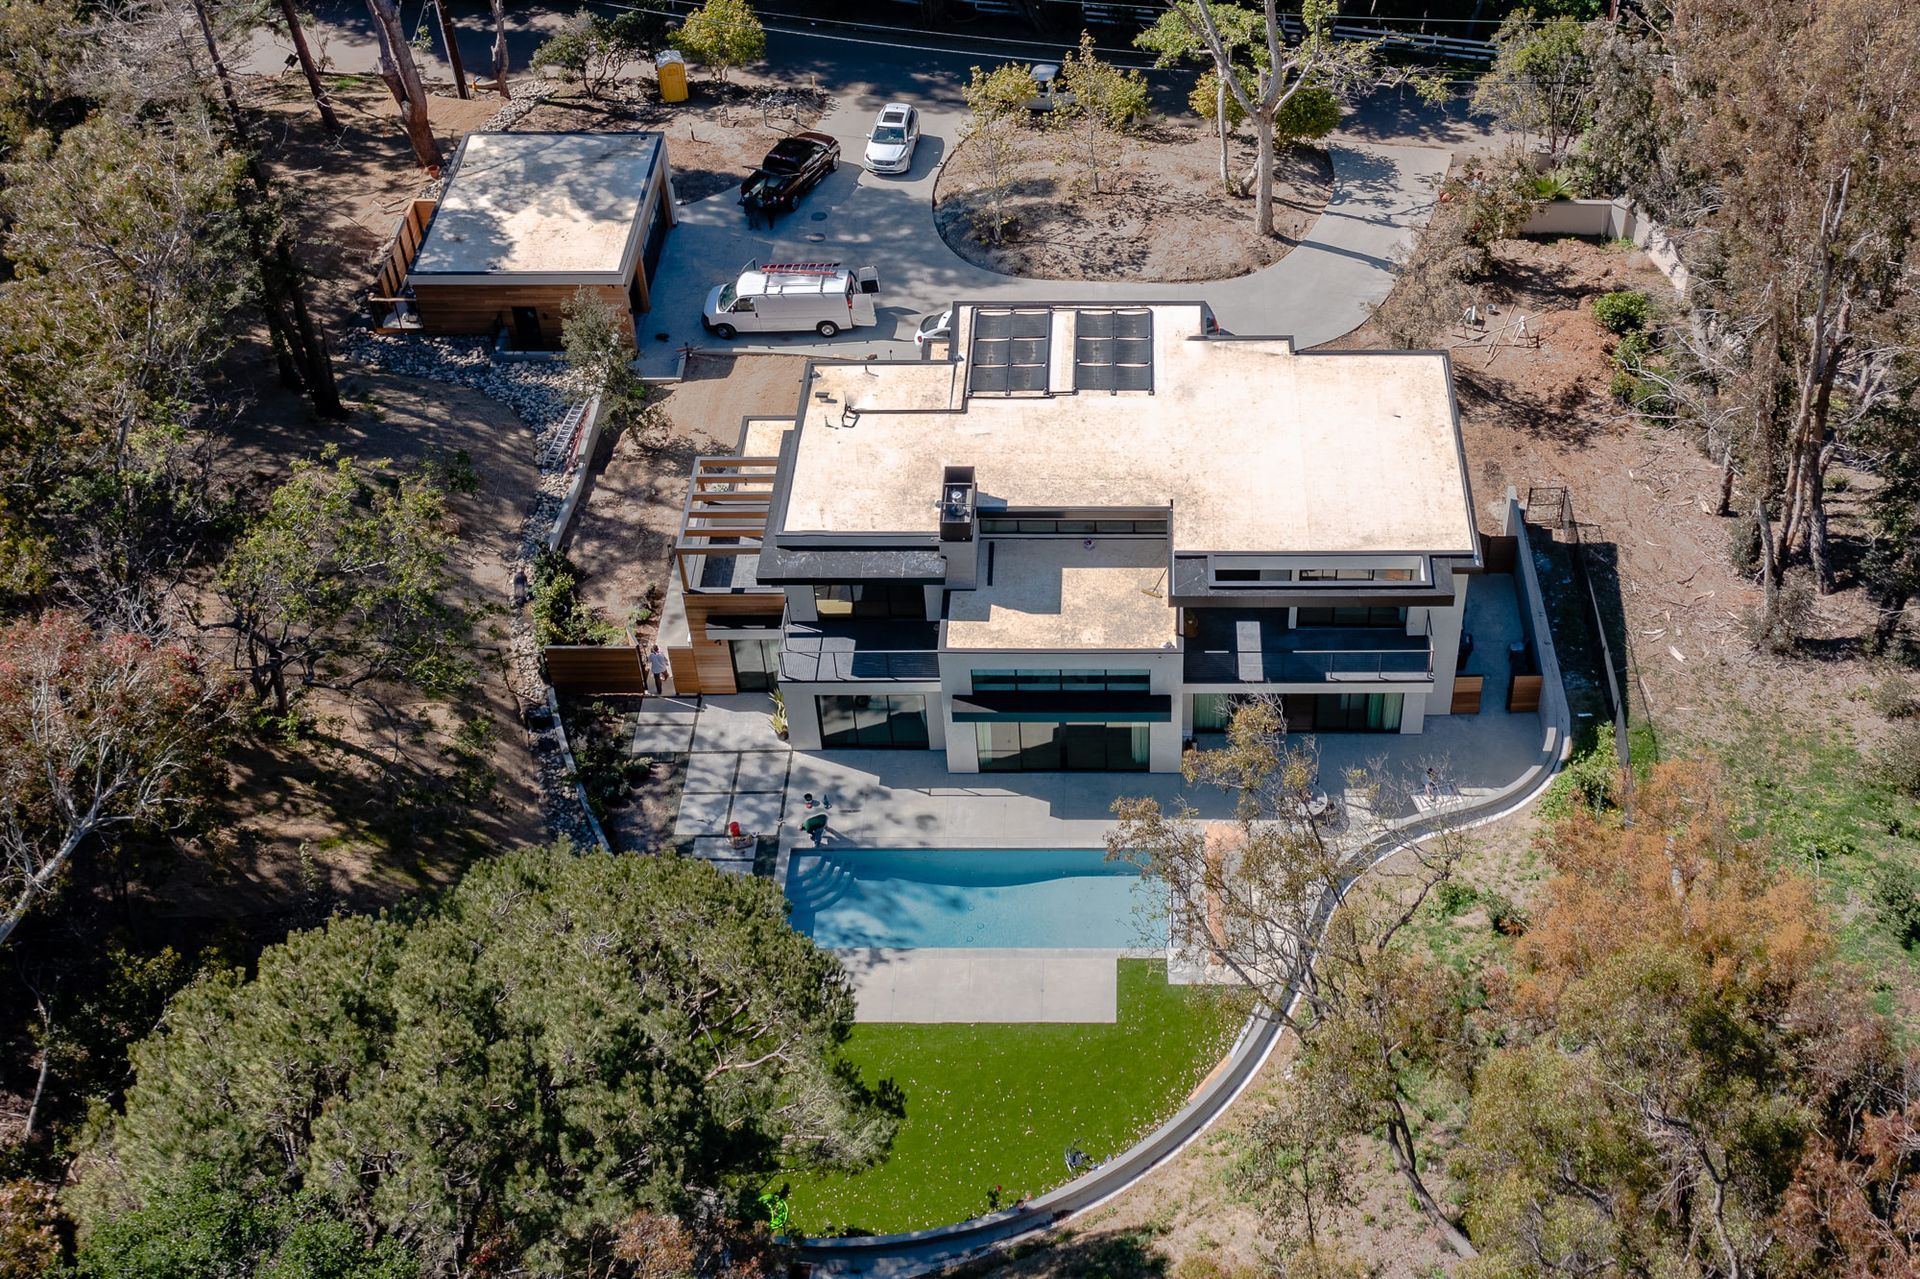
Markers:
{"x": 528, "y": 219}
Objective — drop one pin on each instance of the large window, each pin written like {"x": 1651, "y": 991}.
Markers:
{"x": 1050, "y": 747}
{"x": 1212, "y": 712}
{"x": 1062, "y": 526}
{"x": 1357, "y": 713}
{"x": 871, "y": 600}
{"x": 898, "y": 721}
{"x": 1062, "y": 682}
{"x": 1356, "y": 575}
{"x": 1383, "y": 617}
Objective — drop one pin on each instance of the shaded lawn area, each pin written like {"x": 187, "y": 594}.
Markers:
{"x": 997, "y": 1105}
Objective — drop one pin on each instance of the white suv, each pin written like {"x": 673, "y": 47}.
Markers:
{"x": 895, "y": 134}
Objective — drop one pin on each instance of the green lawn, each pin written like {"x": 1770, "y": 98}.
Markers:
{"x": 997, "y": 1105}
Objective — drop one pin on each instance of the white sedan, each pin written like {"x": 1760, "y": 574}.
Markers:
{"x": 895, "y": 134}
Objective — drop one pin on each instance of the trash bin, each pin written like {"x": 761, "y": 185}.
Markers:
{"x": 672, "y": 74}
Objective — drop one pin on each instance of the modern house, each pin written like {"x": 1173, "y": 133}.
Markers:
{"x": 1074, "y": 542}
{"x": 524, "y": 221}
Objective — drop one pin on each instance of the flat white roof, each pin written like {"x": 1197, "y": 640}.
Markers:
{"x": 542, "y": 204}
{"x": 1256, "y": 447}
{"x": 1060, "y": 594}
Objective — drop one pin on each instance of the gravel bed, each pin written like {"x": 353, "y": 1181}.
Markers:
{"x": 538, "y": 395}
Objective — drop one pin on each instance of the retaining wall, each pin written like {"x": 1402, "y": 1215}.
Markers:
{"x": 1616, "y": 219}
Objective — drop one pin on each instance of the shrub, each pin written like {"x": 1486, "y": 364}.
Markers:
{"x": 1505, "y": 914}
{"x": 1622, "y": 311}
{"x": 1892, "y": 697}
{"x": 1590, "y": 780}
{"x": 560, "y": 616}
{"x": 1896, "y": 896}
{"x": 1898, "y": 760}
{"x": 1454, "y": 898}
{"x": 1779, "y": 629}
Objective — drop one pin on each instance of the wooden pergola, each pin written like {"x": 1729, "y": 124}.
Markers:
{"x": 728, "y": 502}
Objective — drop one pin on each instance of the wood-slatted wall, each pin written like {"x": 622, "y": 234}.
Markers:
{"x": 705, "y": 665}
{"x": 399, "y": 260}
{"x": 591, "y": 669}
{"x": 1466, "y": 694}
{"x": 1524, "y": 693}
{"x": 480, "y": 308}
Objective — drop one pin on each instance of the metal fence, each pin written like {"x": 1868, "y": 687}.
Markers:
{"x": 1551, "y": 508}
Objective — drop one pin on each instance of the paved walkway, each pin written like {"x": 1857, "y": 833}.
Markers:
{"x": 984, "y": 985}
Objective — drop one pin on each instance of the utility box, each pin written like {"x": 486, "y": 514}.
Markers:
{"x": 671, "y": 70}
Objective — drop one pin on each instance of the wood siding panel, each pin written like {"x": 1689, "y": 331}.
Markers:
{"x": 1524, "y": 695}
{"x": 1466, "y": 694}
{"x": 481, "y": 308}
{"x": 591, "y": 669}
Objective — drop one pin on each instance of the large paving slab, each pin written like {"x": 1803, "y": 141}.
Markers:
{"x": 942, "y": 986}
{"x": 710, "y": 774}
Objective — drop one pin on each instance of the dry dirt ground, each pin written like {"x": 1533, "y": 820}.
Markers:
{"x": 1538, "y": 413}
{"x": 622, "y": 541}
{"x": 341, "y": 818}
{"x": 1161, "y": 214}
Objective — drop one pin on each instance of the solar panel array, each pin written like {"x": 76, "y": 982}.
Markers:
{"x": 1009, "y": 351}
{"x": 1113, "y": 350}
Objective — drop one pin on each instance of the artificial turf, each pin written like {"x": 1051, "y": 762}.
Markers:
{"x": 992, "y": 1109}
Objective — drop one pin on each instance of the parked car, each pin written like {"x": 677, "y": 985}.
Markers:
{"x": 1053, "y": 93}
{"x": 890, "y": 143}
{"x": 936, "y": 327}
{"x": 792, "y": 297}
{"x": 794, "y": 167}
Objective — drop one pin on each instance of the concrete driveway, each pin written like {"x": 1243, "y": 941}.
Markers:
{"x": 1320, "y": 290}
{"x": 1387, "y": 159}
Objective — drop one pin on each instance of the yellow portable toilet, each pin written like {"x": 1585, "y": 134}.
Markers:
{"x": 672, "y": 72}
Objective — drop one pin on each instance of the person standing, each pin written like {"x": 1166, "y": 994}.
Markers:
{"x": 657, "y": 667}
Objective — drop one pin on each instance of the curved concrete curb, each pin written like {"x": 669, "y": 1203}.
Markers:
{"x": 898, "y": 1256}
{"x": 917, "y": 1252}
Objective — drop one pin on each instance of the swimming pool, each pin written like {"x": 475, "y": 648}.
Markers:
{"x": 1003, "y": 897}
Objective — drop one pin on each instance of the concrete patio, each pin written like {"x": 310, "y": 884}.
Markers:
{"x": 983, "y": 985}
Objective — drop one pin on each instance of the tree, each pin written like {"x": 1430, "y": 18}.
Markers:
{"x": 38, "y": 45}
{"x": 1288, "y": 66}
{"x": 500, "y": 61}
{"x": 722, "y": 35}
{"x": 199, "y": 1227}
{"x": 593, "y": 49}
{"x": 98, "y": 735}
{"x": 129, "y": 254}
{"x": 401, "y": 75}
{"x": 1106, "y": 102}
{"x": 1176, "y": 36}
{"x": 309, "y": 68}
{"x": 598, "y": 338}
{"x": 1890, "y": 569}
{"x": 1294, "y": 1161}
{"x": 996, "y": 127}
{"x": 341, "y": 581}
{"x": 1678, "y": 1043}
{"x": 565, "y": 1040}
{"x": 1271, "y": 899}
{"x": 1541, "y": 81}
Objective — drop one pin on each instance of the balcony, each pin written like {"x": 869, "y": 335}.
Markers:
{"x": 859, "y": 652}
{"x": 723, "y": 525}
{"x": 1254, "y": 646}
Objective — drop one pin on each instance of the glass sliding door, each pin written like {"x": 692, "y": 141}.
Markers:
{"x": 1058, "y": 747}
{"x": 1358, "y": 713}
{"x": 756, "y": 664}
{"x": 895, "y": 721}
{"x": 1212, "y": 712}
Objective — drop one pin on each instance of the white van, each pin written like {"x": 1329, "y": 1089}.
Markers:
{"x": 792, "y": 297}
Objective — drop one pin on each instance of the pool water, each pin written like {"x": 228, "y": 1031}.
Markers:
{"x": 1004, "y": 897}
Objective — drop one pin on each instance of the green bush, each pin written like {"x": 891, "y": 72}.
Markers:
{"x": 1454, "y": 898}
{"x": 1899, "y": 760}
{"x": 1896, "y": 895}
{"x": 1590, "y": 780}
{"x": 1892, "y": 697}
{"x": 1622, "y": 311}
{"x": 560, "y": 616}
{"x": 1505, "y": 914}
